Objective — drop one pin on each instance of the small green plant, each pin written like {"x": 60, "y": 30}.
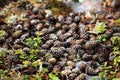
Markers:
{"x": 34, "y": 51}
{"x": 109, "y": 72}
{"x": 115, "y": 40}
{"x": 23, "y": 55}
{"x": 116, "y": 52}
{"x": 44, "y": 70}
{"x": 33, "y": 54}
{"x": 32, "y": 57}
{"x": 34, "y": 42}
{"x": 102, "y": 38}
{"x": 42, "y": 75}
{"x": 117, "y": 21}
{"x": 29, "y": 59}
{"x": 26, "y": 63}
{"x": 2, "y": 33}
{"x": 38, "y": 33}
{"x": 117, "y": 60}
{"x": 37, "y": 63}
{"x": 26, "y": 77}
{"x": 100, "y": 27}
{"x": 1, "y": 53}
{"x": 38, "y": 77}
{"x": 106, "y": 71}
{"x": 53, "y": 76}
{"x": 1, "y": 73}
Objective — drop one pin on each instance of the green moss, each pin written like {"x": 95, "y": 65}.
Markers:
{"x": 33, "y": 54}
{"x": 106, "y": 71}
{"x": 26, "y": 63}
{"x": 34, "y": 42}
{"x": 1, "y": 72}
{"x": 115, "y": 40}
{"x": 102, "y": 38}
{"x": 26, "y": 77}
{"x": 117, "y": 60}
{"x": 3, "y": 54}
{"x": 2, "y": 33}
{"x": 100, "y": 27}
{"x": 23, "y": 55}
{"x": 116, "y": 52}
{"x": 44, "y": 70}
{"x": 41, "y": 75}
{"x": 53, "y": 77}
{"x": 117, "y": 21}
{"x": 109, "y": 71}
{"x": 37, "y": 63}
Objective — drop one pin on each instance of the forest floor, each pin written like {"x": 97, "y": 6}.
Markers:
{"x": 47, "y": 40}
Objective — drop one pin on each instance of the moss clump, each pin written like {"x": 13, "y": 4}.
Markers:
{"x": 100, "y": 27}
{"x": 34, "y": 42}
{"x": 37, "y": 63}
{"x": 110, "y": 70}
{"x": 26, "y": 63}
{"x": 53, "y": 77}
{"x": 117, "y": 22}
{"x": 102, "y": 38}
{"x": 2, "y": 33}
{"x": 115, "y": 40}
